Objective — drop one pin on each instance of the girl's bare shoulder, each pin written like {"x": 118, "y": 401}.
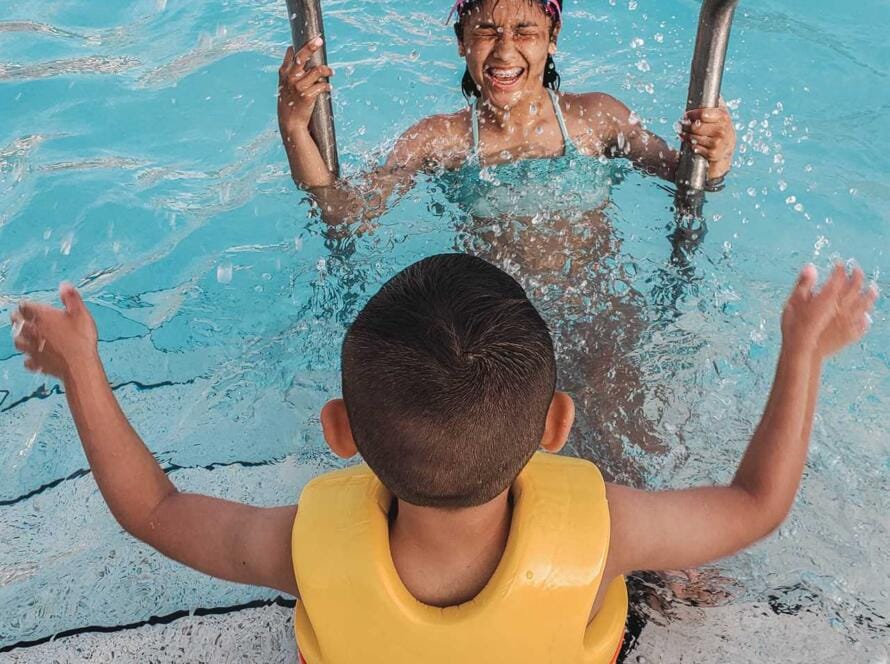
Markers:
{"x": 591, "y": 119}
{"x": 592, "y": 107}
{"x": 443, "y": 140}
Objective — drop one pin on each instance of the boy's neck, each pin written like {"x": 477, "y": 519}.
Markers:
{"x": 445, "y": 556}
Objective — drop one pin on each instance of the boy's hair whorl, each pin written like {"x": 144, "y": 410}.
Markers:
{"x": 448, "y": 374}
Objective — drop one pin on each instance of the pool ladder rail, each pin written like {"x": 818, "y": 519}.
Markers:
{"x": 705, "y": 78}
{"x": 305, "y": 24}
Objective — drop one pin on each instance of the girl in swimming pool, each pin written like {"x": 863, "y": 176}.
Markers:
{"x": 540, "y": 148}
{"x": 516, "y": 110}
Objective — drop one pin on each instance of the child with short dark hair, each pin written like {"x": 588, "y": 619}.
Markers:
{"x": 458, "y": 541}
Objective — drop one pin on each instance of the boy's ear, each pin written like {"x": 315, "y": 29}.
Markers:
{"x": 560, "y": 418}
{"x": 337, "y": 430}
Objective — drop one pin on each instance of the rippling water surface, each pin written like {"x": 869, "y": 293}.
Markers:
{"x": 139, "y": 159}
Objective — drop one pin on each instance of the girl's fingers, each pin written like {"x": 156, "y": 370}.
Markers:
{"x": 307, "y": 51}
{"x": 703, "y": 141}
{"x": 31, "y": 364}
{"x": 703, "y": 129}
{"x": 286, "y": 68}
{"x": 316, "y": 90}
{"x": 706, "y": 115}
{"x": 311, "y": 77}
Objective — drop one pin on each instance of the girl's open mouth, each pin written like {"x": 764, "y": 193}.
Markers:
{"x": 503, "y": 77}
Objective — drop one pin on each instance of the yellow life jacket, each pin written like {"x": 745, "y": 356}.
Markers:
{"x": 354, "y": 608}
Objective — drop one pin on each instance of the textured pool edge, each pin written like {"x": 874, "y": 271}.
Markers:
{"x": 256, "y": 634}
{"x": 734, "y": 633}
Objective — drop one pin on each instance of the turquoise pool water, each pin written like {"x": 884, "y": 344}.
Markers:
{"x": 139, "y": 159}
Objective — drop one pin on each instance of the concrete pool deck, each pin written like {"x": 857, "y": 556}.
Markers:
{"x": 734, "y": 633}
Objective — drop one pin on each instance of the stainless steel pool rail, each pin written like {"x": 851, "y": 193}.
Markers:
{"x": 305, "y": 24}
{"x": 714, "y": 23}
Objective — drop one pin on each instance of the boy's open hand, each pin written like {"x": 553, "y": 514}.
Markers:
{"x": 55, "y": 340}
{"x": 299, "y": 84}
{"x": 712, "y": 135}
{"x": 831, "y": 318}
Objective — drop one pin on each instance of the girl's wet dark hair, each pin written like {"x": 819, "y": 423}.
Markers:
{"x": 468, "y": 85}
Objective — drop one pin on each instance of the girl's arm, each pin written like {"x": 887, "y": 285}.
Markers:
{"x": 418, "y": 149}
{"x": 709, "y": 129}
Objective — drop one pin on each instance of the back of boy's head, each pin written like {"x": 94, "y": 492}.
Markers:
{"x": 448, "y": 374}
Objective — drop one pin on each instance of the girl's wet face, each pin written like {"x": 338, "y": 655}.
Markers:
{"x": 506, "y": 44}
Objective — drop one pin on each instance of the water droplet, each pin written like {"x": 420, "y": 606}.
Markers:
{"x": 643, "y": 65}
{"x": 65, "y": 247}
{"x": 224, "y": 273}
{"x": 791, "y": 200}
{"x": 539, "y": 130}
{"x": 659, "y": 37}
{"x": 783, "y": 185}
{"x": 298, "y": 244}
{"x": 636, "y": 42}
{"x": 622, "y": 140}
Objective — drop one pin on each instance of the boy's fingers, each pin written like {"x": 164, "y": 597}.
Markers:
{"x": 28, "y": 310}
{"x": 835, "y": 283}
{"x": 853, "y": 286}
{"x": 26, "y": 340}
{"x": 31, "y": 364}
{"x": 71, "y": 299}
{"x": 805, "y": 282}
{"x": 866, "y": 301}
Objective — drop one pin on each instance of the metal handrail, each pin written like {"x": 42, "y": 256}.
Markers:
{"x": 714, "y": 23}
{"x": 305, "y": 24}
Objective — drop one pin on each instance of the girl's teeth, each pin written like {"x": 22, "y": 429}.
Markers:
{"x": 505, "y": 74}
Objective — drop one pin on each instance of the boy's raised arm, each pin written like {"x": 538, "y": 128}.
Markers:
{"x": 221, "y": 538}
{"x": 686, "y": 528}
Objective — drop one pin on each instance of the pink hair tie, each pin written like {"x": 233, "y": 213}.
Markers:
{"x": 551, "y": 8}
